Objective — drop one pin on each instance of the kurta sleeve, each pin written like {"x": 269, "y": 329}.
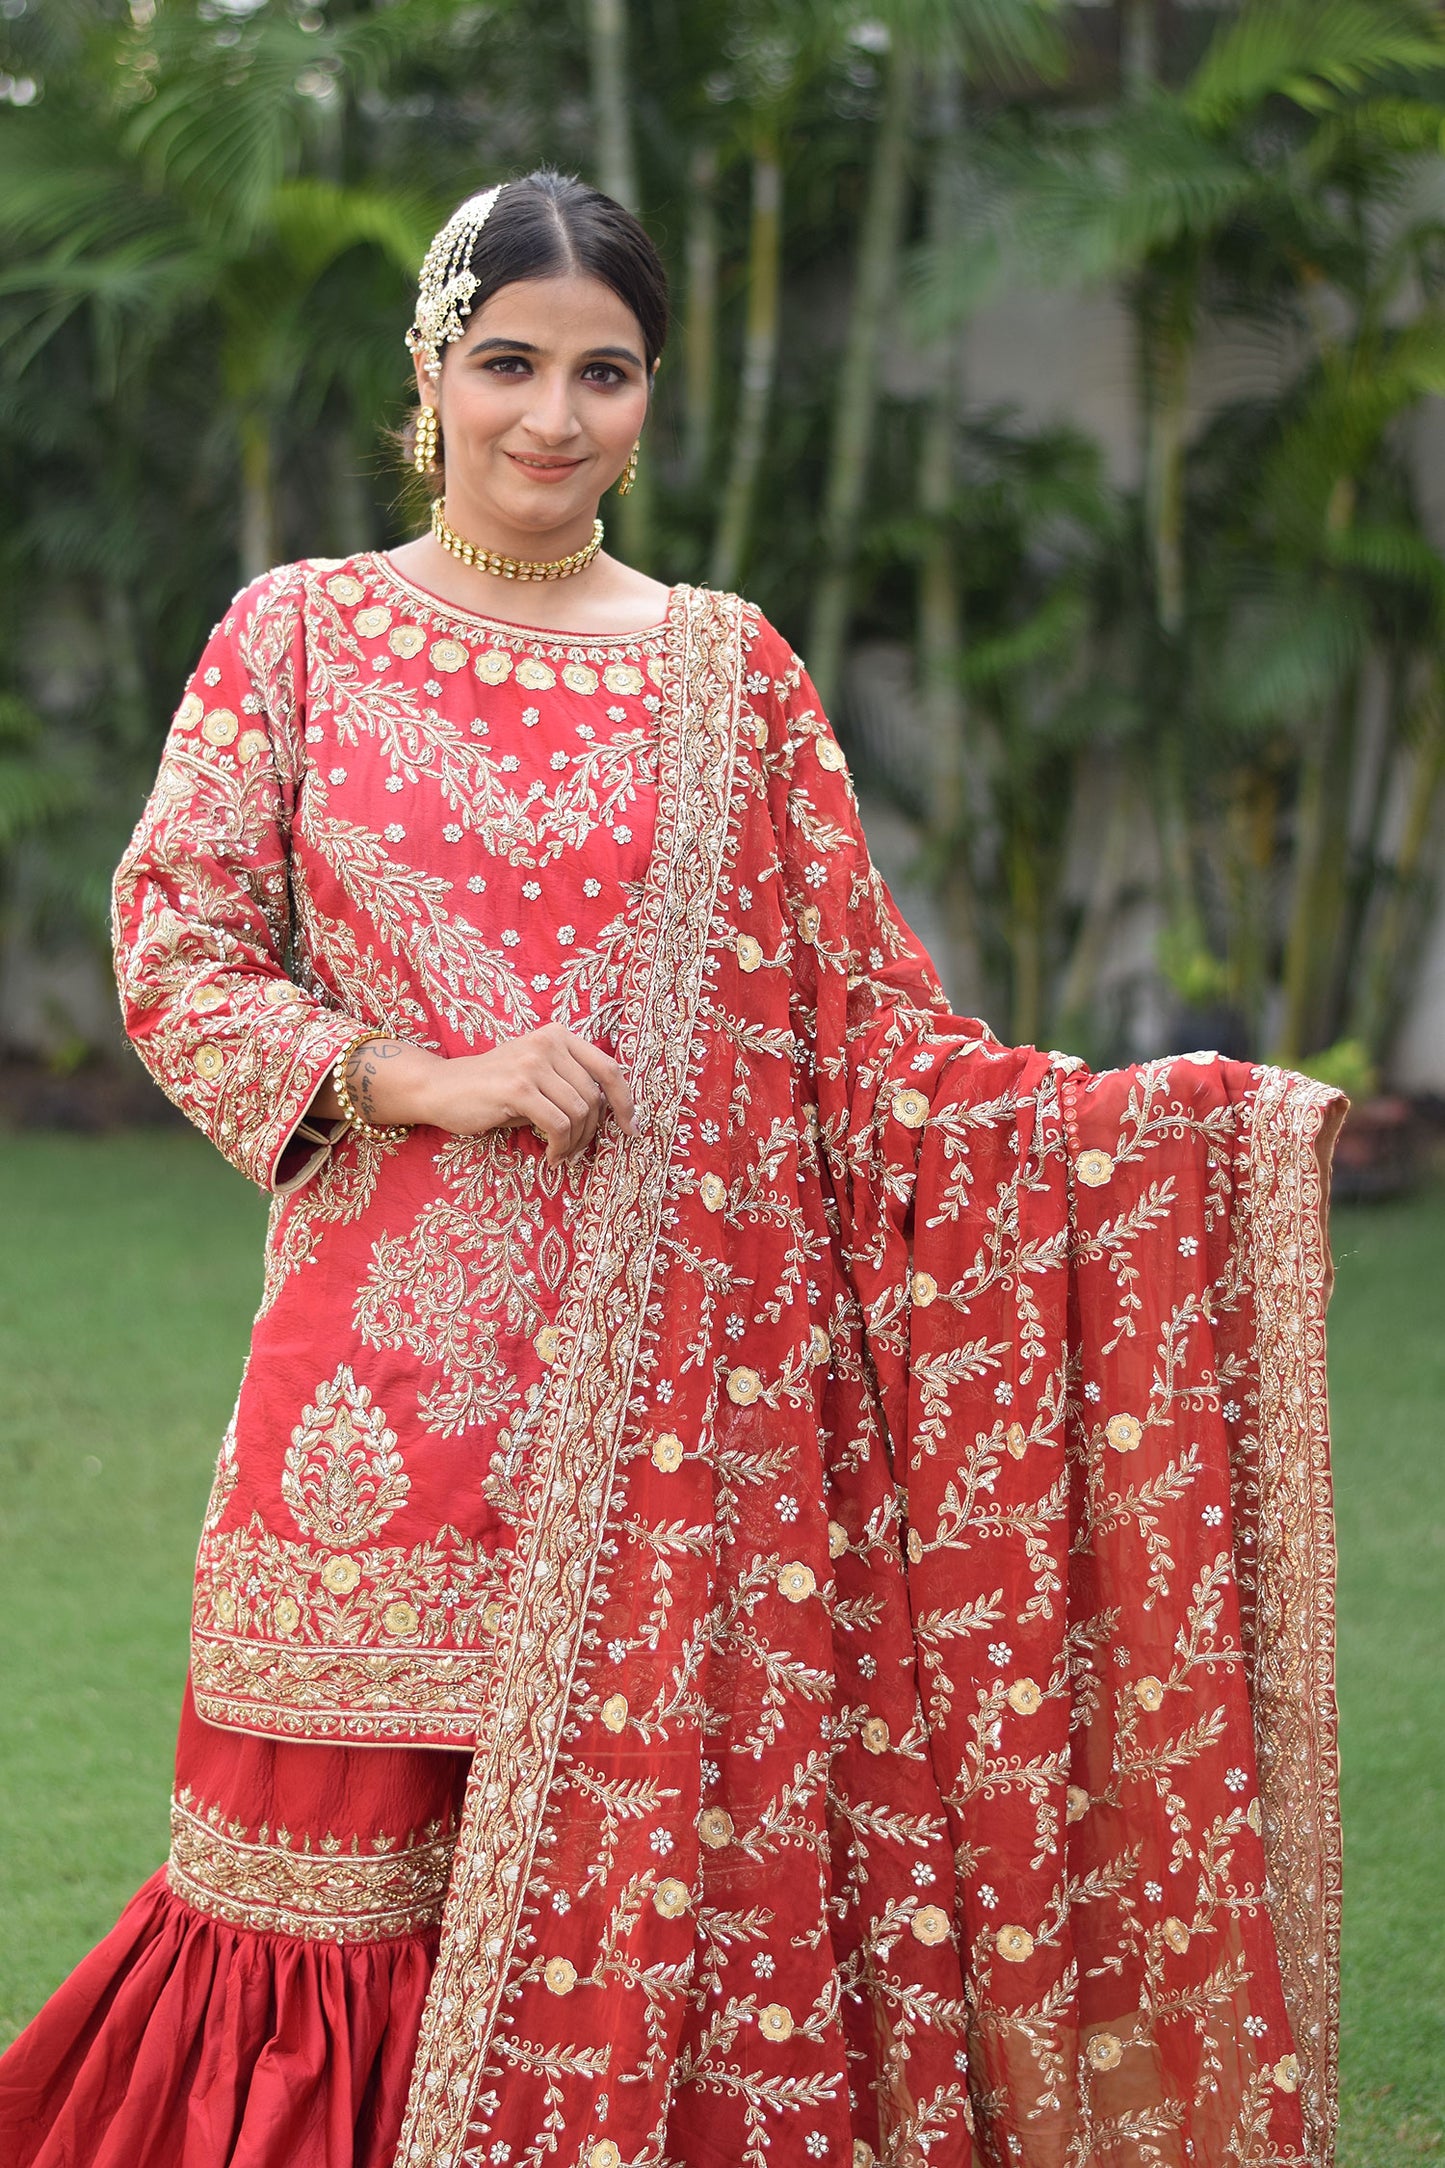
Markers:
{"x": 201, "y": 914}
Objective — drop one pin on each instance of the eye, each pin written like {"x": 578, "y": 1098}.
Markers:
{"x": 610, "y": 373}
{"x": 505, "y": 364}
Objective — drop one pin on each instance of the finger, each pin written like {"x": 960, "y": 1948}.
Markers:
{"x": 608, "y": 1074}
{"x": 552, "y": 1123}
{"x": 571, "y": 1116}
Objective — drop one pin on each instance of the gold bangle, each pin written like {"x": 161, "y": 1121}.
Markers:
{"x": 384, "y": 1134}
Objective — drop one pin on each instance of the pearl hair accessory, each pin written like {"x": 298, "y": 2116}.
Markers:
{"x": 447, "y": 282}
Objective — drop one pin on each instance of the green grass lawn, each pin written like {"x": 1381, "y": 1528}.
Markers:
{"x": 129, "y": 1268}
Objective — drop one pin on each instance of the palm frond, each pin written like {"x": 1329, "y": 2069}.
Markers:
{"x": 1313, "y": 52}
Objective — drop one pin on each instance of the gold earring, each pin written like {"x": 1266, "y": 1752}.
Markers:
{"x": 428, "y": 432}
{"x": 629, "y": 472}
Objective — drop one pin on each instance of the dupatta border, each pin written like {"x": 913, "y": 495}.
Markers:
{"x": 589, "y": 1388}
{"x": 1296, "y": 1723}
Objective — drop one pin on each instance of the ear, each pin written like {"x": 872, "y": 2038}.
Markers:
{"x": 428, "y": 389}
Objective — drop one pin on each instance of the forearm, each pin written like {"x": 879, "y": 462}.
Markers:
{"x": 388, "y": 1080}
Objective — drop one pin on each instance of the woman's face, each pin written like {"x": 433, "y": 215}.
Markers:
{"x": 541, "y": 400}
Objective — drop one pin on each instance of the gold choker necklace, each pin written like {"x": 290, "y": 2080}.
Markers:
{"x": 512, "y": 568}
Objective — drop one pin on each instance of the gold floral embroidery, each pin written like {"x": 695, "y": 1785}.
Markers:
{"x": 267, "y": 1881}
{"x": 343, "y": 1477}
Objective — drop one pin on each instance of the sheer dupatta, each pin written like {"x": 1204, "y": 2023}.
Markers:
{"x": 911, "y": 1731}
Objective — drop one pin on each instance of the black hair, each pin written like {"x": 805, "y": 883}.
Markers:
{"x": 548, "y": 223}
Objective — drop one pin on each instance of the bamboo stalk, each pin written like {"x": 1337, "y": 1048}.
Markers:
{"x": 617, "y": 177}
{"x": 760, "y": 355}
{"x": 699, "y": 331}
{"x": 940, "y": 626}
{"x": 857, "y": 395}
{"x": 258, "y": 540}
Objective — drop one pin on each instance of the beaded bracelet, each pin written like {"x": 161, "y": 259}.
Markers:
{"x": 386, "y": 1134}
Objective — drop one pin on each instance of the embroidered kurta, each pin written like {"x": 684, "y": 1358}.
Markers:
{"x": 897, "y": 1648}
{"x": 441, "y": 825}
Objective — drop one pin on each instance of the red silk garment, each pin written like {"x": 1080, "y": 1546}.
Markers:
{"x": 898, "y": 1653}
{"x": 258, "y": 2001}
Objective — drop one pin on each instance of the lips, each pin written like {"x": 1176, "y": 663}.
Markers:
{"x": 546, "y": 468}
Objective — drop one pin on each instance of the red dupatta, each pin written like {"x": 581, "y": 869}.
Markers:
{"x": 910, "y": 1734}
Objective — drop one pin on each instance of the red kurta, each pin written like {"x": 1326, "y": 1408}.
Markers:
{"x": 897, "y": 1652}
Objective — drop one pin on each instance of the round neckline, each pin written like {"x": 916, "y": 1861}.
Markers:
{"x": 391, "y": 574}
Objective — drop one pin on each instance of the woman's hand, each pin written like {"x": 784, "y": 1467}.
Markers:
{"x": 559, "y": 1083}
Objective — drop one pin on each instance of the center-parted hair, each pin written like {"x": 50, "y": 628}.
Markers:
{"x": 546, "y": 224}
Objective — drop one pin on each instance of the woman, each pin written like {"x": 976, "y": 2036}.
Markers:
{"x": 767, "y": 1596}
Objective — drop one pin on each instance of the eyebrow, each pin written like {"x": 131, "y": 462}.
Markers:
{"x": 525, "y": 346}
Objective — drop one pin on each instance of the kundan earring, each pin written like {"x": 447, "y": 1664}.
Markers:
{"x": 629, "y": 472}
{"x": 424, "y": 447}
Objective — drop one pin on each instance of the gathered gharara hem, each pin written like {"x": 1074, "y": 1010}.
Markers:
{"x": 180, "y": 2042}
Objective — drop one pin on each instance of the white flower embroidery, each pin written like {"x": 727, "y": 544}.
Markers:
{"x": 337, "y": 775}
{"x": 710, "y": 1132}
{"x": 923, "y": 1875}
{"x": 868, "y": 1666}
{"x": 617, "y": 715}
{"x": 566, "y": 935}
{"x": 815, "y": 2145}
{"x": 510, "y": 937}
{"x": 616, "y": 1651}
{"x": 764, "y": 1966}
{"x": 213, "y": 676}
{"x": 511, "y": 763}
{"x": 540, "y": 982}
{"x": 559, "y": 758}
{"x": 591, "y": 888}
{"x": 1212, "y": 1516}
{"x": 622, "y": 835}
{"x": 787, "y": 1508}
{"x": 1256, "y": 2027}
{"x": 1092, "y": 1391}
{"x": 815, "y": 873}
{"x": 1003, "y": 1392}
{"x": 531, "y": 717}
{"x": 1188, "y": 1244}
{"x": 432, "y": 687}
{"x": 987, "y": 1896}
{"x": 661, "y": 1842}
{"x": 476, "y": 884}
{"x": 745, "y": 899}
{"x": 531, "y": 890}
{"x": 394, "y": 782}
{"x": 1153, "y": 1891}
{"x": 999, "y": 1652}
{"x": 394, "y": 832}
{"x": 1230, "y": 1411}
{"x": 1236, "y": 1779}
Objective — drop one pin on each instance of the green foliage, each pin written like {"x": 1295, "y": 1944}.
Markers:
{"x": 210, "y": 219}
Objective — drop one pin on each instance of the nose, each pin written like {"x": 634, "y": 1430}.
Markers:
{"x": 551, "y": 418}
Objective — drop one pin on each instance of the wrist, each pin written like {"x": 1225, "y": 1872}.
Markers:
{"x": 385, "y": 1081}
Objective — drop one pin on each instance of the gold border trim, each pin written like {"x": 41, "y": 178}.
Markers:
{"x": 330, "y": 1894}
{"x": 1296, "y": 1720}
{"x": 582, "y": 1419}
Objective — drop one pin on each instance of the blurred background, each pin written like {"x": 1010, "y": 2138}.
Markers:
{"x": 1066, "y": 381}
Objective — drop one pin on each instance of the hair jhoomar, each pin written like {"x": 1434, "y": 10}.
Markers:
{"x": 547, "y": 223}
